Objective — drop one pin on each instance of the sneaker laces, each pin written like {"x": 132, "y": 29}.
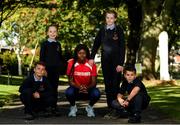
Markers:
{"x": 90, "y": 111}
{"x": 73, "y": 110}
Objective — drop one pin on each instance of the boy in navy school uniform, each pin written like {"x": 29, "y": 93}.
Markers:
{"x": 36, "y": 92}
{"x": 137, "y": 99}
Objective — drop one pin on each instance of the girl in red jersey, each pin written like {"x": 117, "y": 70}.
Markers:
{"x": 82, "y": 81}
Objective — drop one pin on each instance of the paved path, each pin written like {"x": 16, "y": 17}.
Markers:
{"x": 13, "y": 114}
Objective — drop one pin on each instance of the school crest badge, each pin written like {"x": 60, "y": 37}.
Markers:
{"x": 58, "y": 49}
{"x": 115, "y": 36}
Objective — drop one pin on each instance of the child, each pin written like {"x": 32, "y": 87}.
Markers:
{"x": 82, "y": 81}
{"x": 51, "y": 55}
{"x": 111, "y": 39}
{"x": 137, "y": 99}
{"x": 36, "y": 92}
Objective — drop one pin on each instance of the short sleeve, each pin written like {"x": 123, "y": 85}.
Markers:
{"x": 123, "y": 88}
{"x": 94, "y": 70}
{"x": 70, "y": 64}
{"x": 138, "y": 83}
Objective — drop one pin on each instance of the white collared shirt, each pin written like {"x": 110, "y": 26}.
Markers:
{"x": 38, "y": 79}
{"x": 111, "y": 27}
{"x": 51, "y": 40}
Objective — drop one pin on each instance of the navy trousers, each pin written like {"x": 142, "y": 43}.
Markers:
{"x": 53, "y": 77}
{"x": 112, "y": 78}
{"x": 32, "y": 104}
{"x": 136, "y": 105}
{"x": 72, "y": 94}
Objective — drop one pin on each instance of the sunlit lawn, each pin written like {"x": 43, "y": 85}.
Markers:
{"x": 13, "y": 80}
{"x": 166, "y": 99}
{"x": 7, "y": 93}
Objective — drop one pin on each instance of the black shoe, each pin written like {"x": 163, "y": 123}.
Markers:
{"x": 112, "y": 114}
{"x": 106, "y": 116}
{"x": 123, "y": 113}
{"x": 47, "y": 112}
{"x": 136, "y": 118}
{"x": 29, "y": 116}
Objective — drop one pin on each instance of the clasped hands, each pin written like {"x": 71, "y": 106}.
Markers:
{"x": 83, "y": 89}
{"x": 36, "y": 95}
{"x": 124, "y": 103}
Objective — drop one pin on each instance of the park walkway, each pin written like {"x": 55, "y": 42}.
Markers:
{"x": 13, "y": 114}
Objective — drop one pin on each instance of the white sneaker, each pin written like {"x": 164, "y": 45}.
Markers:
{"x": 73, "y": 110}
{"x": 90, "y": 111}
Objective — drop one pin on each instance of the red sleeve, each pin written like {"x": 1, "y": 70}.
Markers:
{"x": 94, "y": 70}
{"x": 70, "y": 63}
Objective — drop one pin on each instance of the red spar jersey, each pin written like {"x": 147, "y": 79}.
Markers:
{"x": 82, "y": 72}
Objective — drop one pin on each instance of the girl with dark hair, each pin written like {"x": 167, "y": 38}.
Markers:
{"x": 82, "y": 81}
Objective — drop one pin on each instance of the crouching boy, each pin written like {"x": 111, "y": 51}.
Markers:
{"x": 36, "y": 92}
{"x": 137, "y": 98}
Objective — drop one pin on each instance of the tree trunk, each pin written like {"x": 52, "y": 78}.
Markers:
{"x": 19, "y": 64}
{"x": 147, "y": 56}
{"x": 156, "y": 19}
{"x": 135, "y": 19}
{"x": 34, "y": 53}
{"x": 17, "y": 52}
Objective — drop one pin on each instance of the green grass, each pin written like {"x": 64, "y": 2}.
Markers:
{"x": 166, "y": 99}
{"x": 7, "y": 93}
{"x": 13, "y": 80}
{"x": 17, "y": 80}
{"x": 178, "y": 82}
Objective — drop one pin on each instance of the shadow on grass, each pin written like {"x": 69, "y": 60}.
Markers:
{"x": 166, "y": 99}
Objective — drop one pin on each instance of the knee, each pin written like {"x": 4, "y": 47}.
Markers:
{"x": 138, "y": 98}
{"x": 95, "y": 93}
{"x": 26, "y": 97}
{"x": 26, "y": 93}
{"x": 70, "y": 92}
{"x": 115, "y": 104}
